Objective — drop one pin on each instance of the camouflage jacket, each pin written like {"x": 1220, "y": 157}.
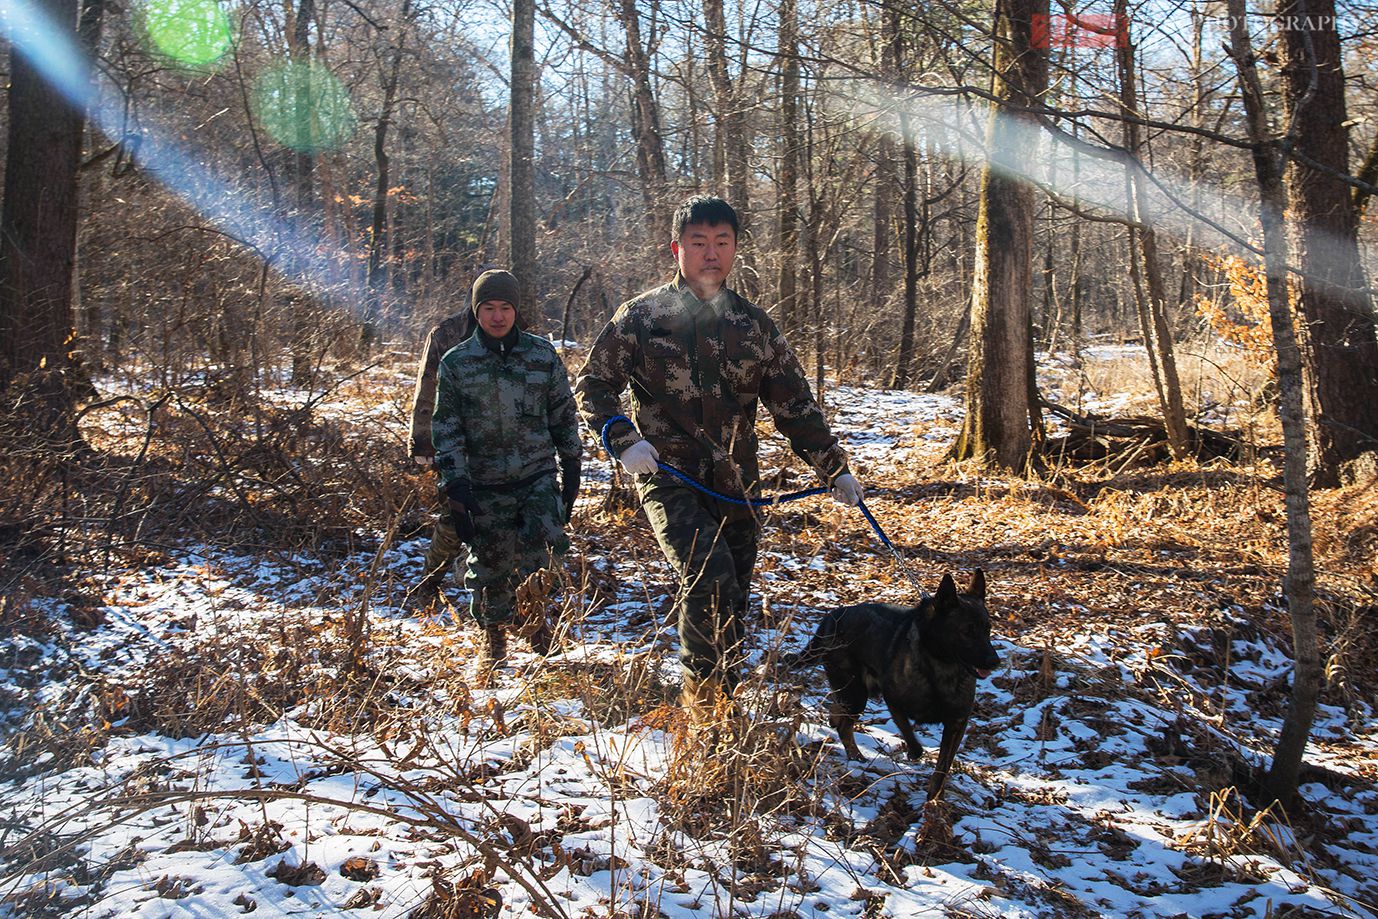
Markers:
{"x": 502, "y": 418}
{"x": 697, "y": 371}
{"x": 441, "y": 339}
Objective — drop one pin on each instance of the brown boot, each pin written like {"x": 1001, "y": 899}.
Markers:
{"x": 540, "y": 638}
{"x": 492, "y": 648}
{"x": 426, "y": 593}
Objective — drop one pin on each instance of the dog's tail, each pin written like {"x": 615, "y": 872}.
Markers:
{"x": 817, "y": 647}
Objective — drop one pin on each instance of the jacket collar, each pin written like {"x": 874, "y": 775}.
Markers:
{"x": 475, "y": 344}
{"x": 718, "y": 303}
{"x": 500, "y": 346}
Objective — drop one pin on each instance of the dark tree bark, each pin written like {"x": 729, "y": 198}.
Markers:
{"x": 1338, "y": 340}
{"x": 894, "y": 64}
{"x": 731, "y": 113}
{"x": 996, "y": 429}
{"x": 305, "y": 326}
{"x": 1148, "y": 283}
{"x": 38, "y": 224}
{"x": 650, "y": 146}
{"x": 791, "y": 144}
{"x": 522, "y": 200}
{"x": 566, "y": 321}
{"x": 888, "y": 187}
{"x": 904, "y": 356}
{"x": 1300, "y": 587}
{"x": 732, "y": 136}
{"x": 883, "y": 218}
{"x": 377, "y": 273}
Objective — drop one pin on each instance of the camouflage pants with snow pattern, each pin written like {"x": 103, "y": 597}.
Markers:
{"x": 518, "y": 532}
{"x": 712, "y": 547}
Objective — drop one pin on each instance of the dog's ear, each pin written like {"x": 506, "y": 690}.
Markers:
{"x": 978, "y": 585}
{"x": 947, "y": 592}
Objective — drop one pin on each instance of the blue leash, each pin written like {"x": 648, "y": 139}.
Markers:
{"x": 766, "y": 502}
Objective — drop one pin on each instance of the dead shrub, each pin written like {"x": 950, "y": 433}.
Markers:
{"x": 471, "y": 897}
{"x": 744, "y": 768}
{"x": 221, "y": 687}
{"x": 1232, "y": 838}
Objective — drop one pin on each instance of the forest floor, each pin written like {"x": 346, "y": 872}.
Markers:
{"x": 252, "y": 722}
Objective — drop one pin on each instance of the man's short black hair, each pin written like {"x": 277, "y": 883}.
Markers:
{"x": 703, "y": 209}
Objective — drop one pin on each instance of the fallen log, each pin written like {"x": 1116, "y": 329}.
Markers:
{"x": 1141, "y": 439}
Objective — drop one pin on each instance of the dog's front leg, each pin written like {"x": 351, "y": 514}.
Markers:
{"x": 845, "y": 726}
{"x": 911, "y": 743}
{"x": 846, "y": 702}
{"x": 947, "y": 752}
{"x": 902, "y": 721}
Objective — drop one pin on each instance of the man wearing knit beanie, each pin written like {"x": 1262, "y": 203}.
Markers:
{"x": 446, "y": 546}
{"x": 504, "y": 415}
{"x": 495, "y": 284}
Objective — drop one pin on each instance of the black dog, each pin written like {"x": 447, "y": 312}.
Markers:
{"x": 922, "y": 660}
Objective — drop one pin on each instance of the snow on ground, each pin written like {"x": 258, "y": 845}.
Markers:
{"x": 562, "y": 787}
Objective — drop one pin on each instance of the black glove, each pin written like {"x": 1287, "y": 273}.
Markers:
{"x": 462, "y": 508}
{"x": 569, "y": 483}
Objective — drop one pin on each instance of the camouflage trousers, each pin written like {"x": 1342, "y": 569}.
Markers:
{"x": 518, "y": 532}
{"x": 712, "y": 547}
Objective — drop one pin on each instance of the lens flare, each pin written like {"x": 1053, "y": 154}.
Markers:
{"x": 1209, "y": 214}
{"x": 304, "y": 106}
{"x": 190, "y": 33}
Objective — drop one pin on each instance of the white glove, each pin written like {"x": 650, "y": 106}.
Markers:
{"x": 847, "y": 490}
{"x": 640, "y": 458}
{"x": 424, "y": 460}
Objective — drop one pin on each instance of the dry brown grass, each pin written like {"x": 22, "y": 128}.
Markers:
{"x": 1233, "y": 834}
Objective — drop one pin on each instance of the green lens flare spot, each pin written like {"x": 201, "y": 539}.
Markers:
{"x": 304, "y": 106}
{"x": 191, "y": 33}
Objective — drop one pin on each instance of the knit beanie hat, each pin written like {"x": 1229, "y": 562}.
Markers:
{"x": 495, "y": 284}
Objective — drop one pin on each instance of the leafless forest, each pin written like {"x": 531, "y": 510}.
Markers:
{"x": 1125, "y": 248}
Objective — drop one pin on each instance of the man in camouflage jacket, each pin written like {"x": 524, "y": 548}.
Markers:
{"x": 503, "y": 414}
{"x": 446, "y": 545}
{"x": 698, "y": 359}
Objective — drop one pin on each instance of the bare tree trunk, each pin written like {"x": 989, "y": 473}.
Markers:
{"x": 996, "y": 429}
{"x": 305, "y": 341}
{"x": 569, "y": 304}
{"x": 1153, "y": 308}
{"x": 731, "y": 116}
{"x": 1269, "y": 163}
{"x": 733, "y": 134}
{"x": 813, "y": 257}
{"x": 904, "y": 357}
{"x": 38, "y": 225}
{"x": 522, "y": 203}
{"x": 650, "y": 148}
{"x": 894, "y": 65}
{"x": 814, "y": 250}
{"x": 883, "y": 219}
{"x": 1051, "y": 307}
{"x": 1337, "y": 319}
{"x": 377, "y": 275}
{"x": 1196, "y": 164}
{"x": 790, "y": 146}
